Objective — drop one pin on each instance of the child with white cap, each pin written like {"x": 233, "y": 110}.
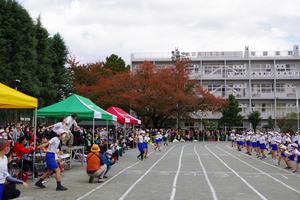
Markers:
{"x": 296, "y": 152}
{"x": 248, "y": 143}
{"x": 141, "y": 145}
{"x": 263, "y": 147}
{"x": 51, "y": 163}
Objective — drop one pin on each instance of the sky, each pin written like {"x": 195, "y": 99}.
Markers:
{"x": 94, "y": 29}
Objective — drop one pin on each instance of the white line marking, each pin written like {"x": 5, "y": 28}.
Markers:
{"x": 212, "y": 189}
{"x": 275, "y": 179}
{"x": 250, "y": 186}
{"x": 268, "y": 164}
{"x": 137, "y": 181}
{"x": 284, "y": 176}
{"x": 172, "y": 197}
{"x": 112, "y": 178}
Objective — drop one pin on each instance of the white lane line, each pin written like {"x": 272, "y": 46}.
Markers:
{"x": 266, "y": 163}
{"x": 284, "y": 176}
{"x": 137, "y": 181}
{"x": 172, "y": 197}
{"x": 261, "y": 171}
{"x": 212, "y": 189}
{"x": 110, "y": 179}
{"x": 250, "y": 186}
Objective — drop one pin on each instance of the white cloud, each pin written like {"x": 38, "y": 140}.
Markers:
{"x": 94, "y": 29}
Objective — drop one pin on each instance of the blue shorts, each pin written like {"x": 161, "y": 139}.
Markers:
{"x": 145, "y": 145}
{"x": 274, "y": 147}
{"x": 50, "y": 161}
{"x": 258, "y": 144}
{"x": 141, "y": 147}
{"x": 291, "y": 157}
{"x": 263, "y": 146}
{"x": 248, "y": 143}
{"x": 1, "y": 190}
{"x": 156, "y": 141}
{"x": 254, "y": 144}
{"x": 283, "y": 155}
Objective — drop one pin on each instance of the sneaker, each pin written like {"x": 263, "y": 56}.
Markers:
{"x": 91, "y": 179}
{"x": 40, "y": 184}
{"x": 61, "y": 188}
{"x": 100, "y": 180}
{"x": 104, "y": 176}
{"x": 295, "y": 171}
{"x": 288, "y": 168}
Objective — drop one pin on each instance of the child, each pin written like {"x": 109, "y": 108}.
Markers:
{"x": 52, "y": 165}
{"x": 296, "y": 152}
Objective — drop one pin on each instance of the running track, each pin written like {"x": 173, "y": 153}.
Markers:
{"x": 181, "y": 171}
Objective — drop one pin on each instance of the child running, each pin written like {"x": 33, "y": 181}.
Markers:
{"x": 51, "y": 163}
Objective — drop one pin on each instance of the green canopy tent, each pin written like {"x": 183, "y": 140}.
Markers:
{"x": 85, "y": 109}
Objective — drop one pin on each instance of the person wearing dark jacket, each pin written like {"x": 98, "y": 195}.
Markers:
{"x": 106, "y": 159}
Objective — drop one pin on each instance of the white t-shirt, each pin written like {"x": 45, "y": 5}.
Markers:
{"x": 69, "y": 121}
{"x": 141, "y": 139}
{"x": 146, "y": 139}
{"x": 53, "y": 145}
{"x": 58, "y": 126}
{"x": 3, "y": 169}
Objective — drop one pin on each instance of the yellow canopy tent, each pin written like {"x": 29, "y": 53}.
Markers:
{"x": 11, "y": 98}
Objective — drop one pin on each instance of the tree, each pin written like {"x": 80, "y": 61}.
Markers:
{"x": 254, "y": 118}
{"x": 29, "y": 54}
{"x": 288, "y": 123}
{"x": 270, "y": 123}
{"x": 231, "y": 113}
{"x": 62, "y": 79}
{"x": 115, "y": 64}
{"x": 44, "y": 72}
{"x": 155, "y": 94}
{"x": 17, "y": 47}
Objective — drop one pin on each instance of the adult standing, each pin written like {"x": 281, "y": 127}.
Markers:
{"x": 69, "y": 122}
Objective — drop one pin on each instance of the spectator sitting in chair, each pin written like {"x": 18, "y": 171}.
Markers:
{"x": 20, "y": 150}
{"x": 94, "y": 168}
{"x": 7, "y": 183}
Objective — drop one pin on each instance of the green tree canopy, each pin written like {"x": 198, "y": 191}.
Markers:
{"x": 270, "y": 123}
{"x": 254, "y": 118}
{"x": 231, "y": 113}
{"x": 29, "y": 54}
{"x": 115, "y": 64}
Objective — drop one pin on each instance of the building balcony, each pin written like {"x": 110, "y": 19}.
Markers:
{"x": 288, "y": 74}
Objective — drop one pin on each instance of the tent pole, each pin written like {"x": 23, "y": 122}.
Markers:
{"x": 93, "y": 130}
{"x": 34, "y": 145}
{"x": 107, "y": 134}
{"x": 124, "y": 128}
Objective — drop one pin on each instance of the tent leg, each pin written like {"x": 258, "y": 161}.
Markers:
{"x": 107, "y": 134}
{"x": 34, "y": 145}
{"x": 124, "y": 128}
{"x": 93, "y": 130}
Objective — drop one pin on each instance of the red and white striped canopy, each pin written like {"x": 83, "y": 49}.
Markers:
{"x": 122, "y": 116}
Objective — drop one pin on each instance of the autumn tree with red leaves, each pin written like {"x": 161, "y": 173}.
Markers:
{"x": 155, "y": 94}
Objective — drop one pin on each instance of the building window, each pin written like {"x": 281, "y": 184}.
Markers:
{"x": 263, "y": 107}
{"x": 265, "y": 53}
